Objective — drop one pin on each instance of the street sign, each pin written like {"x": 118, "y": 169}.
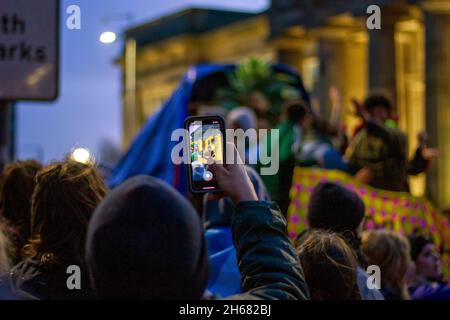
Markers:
{"x": 29, "y": 49}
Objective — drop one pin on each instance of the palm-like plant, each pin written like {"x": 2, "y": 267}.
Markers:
{"x": 256, "y": 76}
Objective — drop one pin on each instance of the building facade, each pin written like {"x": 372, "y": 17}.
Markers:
{"x": 157, "y": 54}
{"x": 329, "y": 43}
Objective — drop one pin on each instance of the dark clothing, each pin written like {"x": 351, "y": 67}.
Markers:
{"x": 219, "y": 213}
{"x": 279, "y": 184}
{"x": 6, "y": 292}
{"x": 430, "y": 291}
{"x": 269, "y": 267}
{"x": 391, "y": 294}
{"x": 286, "y": 174}
{"x": 145, "y": 241}
{"x": 29, "y": 279}
{"x": 262, "y": 252}
{"x": 384, "y": 150}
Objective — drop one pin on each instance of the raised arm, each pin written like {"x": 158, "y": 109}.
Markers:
{"x": 269, "y": 266}
{"x": 267, "y": 261}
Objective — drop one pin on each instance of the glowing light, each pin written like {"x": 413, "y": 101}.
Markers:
{"x": 108, "y": 37}
{"x": 81, "y": 155}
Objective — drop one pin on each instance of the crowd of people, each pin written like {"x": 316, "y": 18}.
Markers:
{"x": 376, "y": 152}
{"x": 145, "y": 240}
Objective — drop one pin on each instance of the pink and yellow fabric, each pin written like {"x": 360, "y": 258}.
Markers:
{"x": 384, "y": 209}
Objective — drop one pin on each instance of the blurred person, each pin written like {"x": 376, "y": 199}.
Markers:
{"x": 165, "y": 257}
{"x": 330, "y": 266}
{"x": 378, "y": 154}
{"x": 318, "y": 149}
{"x": 446, "y": 213}
{"x": 65, "y": 197}
{"x": 291, "y": 131}
{"x": 19, "y": 180}
{"x": 5, "y": 265}
{"x": 339, "y": 138}
{"x": 426, "y": 258}
{"x": 390, "y": 252}
{"x": 205, "y": 109}
{"x": 427, "y": 282}
{"x": 259, "y": 102}
{"x": 334, "y": 208}
{"x": 243, "y": 118}
{"x": 324, "y": 139}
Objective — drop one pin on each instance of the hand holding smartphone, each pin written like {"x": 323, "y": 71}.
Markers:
{"x": 206, "y": 144}
{"x": 233, "y": 179}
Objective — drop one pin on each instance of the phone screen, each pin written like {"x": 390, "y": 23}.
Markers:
{"x": 206, "y": 141}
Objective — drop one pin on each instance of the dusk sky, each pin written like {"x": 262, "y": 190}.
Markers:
{"x": 88, "y": 110}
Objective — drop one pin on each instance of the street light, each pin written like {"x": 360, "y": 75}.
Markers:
{"x": 108, "y": 37}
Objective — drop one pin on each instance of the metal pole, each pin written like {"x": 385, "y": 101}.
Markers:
{"x": 6, "y": 133}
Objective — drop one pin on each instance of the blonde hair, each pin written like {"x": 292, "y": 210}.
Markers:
{"x": 329, "y": 264}
{"x": 390, "y": 251}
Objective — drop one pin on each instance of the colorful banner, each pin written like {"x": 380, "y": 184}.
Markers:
{"x": 398, "y": 211}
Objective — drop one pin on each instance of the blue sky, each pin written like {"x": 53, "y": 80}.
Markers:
{"x": 88, "y": 109}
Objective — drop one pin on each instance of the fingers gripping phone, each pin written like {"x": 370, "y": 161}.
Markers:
{"x": 206, "y": 142}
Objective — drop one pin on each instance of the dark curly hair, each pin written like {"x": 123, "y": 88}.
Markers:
{"x": 65, "y": 197}
{"x": 377, "y": 100}
{"x": 16, "y": 191}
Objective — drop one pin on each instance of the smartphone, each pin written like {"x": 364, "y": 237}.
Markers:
{"x": 206, "y": 140}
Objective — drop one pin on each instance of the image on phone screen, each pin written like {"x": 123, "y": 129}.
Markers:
{"x": 205, "y": 142}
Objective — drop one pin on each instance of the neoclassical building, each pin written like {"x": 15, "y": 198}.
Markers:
{"x": 329, "y": 43}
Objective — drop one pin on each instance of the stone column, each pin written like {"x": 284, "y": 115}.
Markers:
{"x": 382, "y": 66}
{"x": 437, "y": 106}
{"x": 130, "y": 125}
{"x": 342, "y": 57}
{"x": 332, "y": 54}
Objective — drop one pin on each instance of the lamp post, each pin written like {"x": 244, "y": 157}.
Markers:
{"x": 7, "y": 134}
{"x": 129, "y": 61}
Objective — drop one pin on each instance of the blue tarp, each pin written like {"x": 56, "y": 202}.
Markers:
{"x": 150, "y": 152}
{"x": 224, "y": 277}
